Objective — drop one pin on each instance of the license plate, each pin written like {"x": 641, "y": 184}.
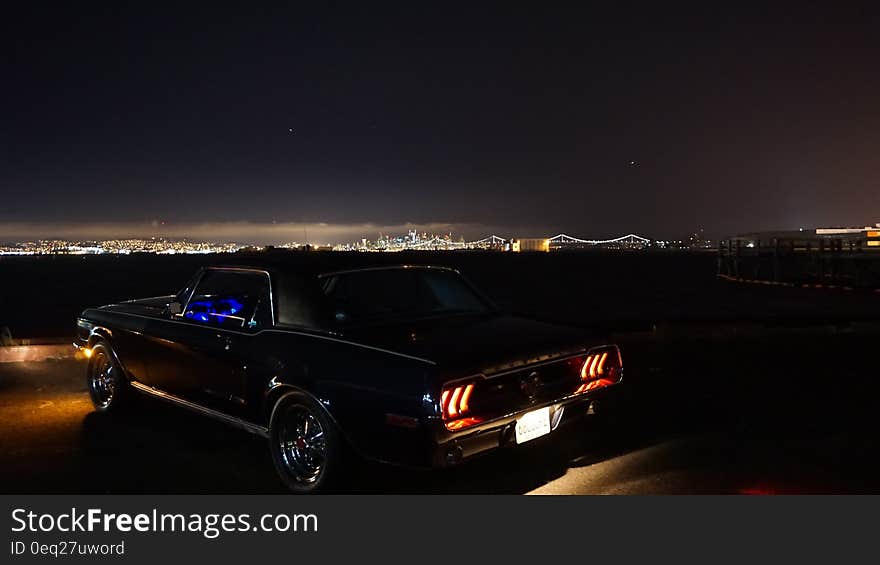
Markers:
{"x": 533, "y": 425}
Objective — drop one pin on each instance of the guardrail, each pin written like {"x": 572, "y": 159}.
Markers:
{"x": 847, "y": 262}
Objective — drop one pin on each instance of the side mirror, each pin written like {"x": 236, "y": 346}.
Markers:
{"x": 174, "y": 308}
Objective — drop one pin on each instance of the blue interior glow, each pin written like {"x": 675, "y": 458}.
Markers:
{"x": 208, "y": 310}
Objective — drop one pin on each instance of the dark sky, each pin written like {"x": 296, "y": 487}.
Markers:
{"x": 736, "y": 119}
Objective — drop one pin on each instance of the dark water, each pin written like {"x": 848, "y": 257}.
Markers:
{"x": 41, "y": 296}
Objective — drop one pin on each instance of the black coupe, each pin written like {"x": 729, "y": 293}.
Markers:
{"x": 402, "y": 364}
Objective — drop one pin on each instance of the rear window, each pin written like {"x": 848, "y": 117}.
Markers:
{"x": 400, "y": 293}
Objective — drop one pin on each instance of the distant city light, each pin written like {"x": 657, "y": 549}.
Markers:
{"x": 411, "y": 241}
{"x": 159, "y": 246}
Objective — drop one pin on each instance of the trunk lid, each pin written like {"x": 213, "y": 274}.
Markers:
{"x": 465, "y": 345}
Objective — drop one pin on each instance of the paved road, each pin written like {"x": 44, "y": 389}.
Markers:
{"x": 713, "y": 440}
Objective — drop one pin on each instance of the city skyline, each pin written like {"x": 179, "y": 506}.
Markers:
{"x": 280, "y": 233}
{"x": 410, "y": 241}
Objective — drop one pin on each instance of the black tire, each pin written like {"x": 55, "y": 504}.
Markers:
{"x": 108, "y": 387}
{"x": 307, "y": 459}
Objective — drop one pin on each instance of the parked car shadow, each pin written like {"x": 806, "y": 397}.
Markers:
{"x": 155, "y": 448}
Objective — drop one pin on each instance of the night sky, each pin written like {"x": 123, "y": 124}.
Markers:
{"x": 596, "y": 122}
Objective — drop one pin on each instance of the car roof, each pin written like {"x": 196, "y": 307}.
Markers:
{"x": 323, "y": 263}
{"x": 295, "y": 275}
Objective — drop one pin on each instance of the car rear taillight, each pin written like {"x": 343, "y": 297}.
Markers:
{"x": 602, "y": 366}
{"x": 455, "y": 406}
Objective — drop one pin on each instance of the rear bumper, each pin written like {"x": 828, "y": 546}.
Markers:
{"x": 453, "y": 448}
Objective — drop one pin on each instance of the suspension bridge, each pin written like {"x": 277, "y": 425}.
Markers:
{"x": 629, "y": 239}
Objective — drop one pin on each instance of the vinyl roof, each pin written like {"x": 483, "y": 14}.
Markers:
{"x": 314, "y": 263}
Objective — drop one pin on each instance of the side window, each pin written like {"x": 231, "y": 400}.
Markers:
{"x": 231, "y": 299}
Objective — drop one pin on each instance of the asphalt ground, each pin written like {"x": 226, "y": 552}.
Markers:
{"x": 781, "y": 411}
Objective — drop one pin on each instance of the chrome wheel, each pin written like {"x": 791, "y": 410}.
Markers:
{"x": 302, "y": 444}
{"x": 102, "y": 380}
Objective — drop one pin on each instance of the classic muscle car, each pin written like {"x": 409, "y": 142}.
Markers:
{"x": 405, "y": 364}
